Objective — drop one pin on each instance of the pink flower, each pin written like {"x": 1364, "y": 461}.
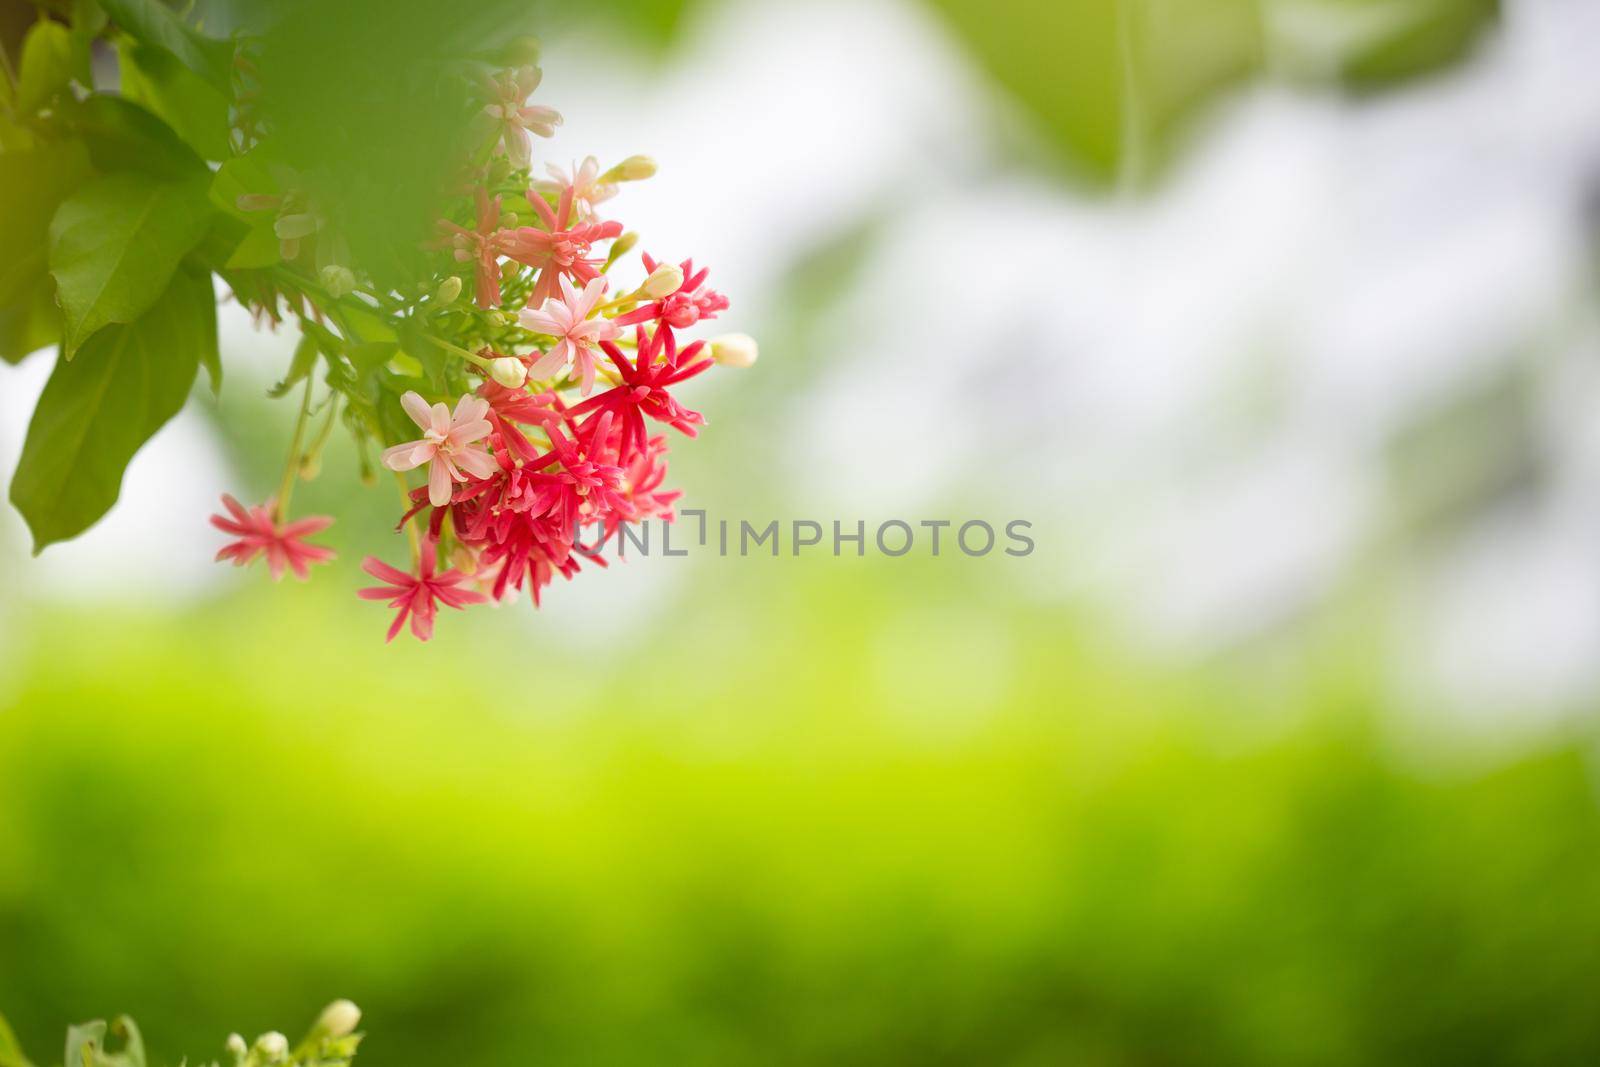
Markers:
{"x": 508, "y": 93}
{"x": 561, "y": 248}
{"x": 568, "y": 320}
{"x": 481, "y": 247}
{"x": 693, "y": 302}
{"x": 415, "y": 595}
{"x": 259, "y": 534}
{"x": 446, "y": 444}
{"x": 584, "y": 181}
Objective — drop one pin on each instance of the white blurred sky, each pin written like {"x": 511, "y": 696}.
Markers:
{"x": 1189, "y": 393}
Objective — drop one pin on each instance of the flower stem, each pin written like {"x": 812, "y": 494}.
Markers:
{"x": 411, "y": 526}
{"x": 291, "y": 467}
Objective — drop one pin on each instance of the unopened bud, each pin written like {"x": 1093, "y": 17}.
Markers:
{"x": 509, "y": 372}
{"x": 497, "y": 317}
{"x": 735, "y": 350}
{"x": 310, "y": 466}
{"x": 632, "y": 169}
{"x": 273, "y": 1046}
{"x": 663, "y": 281}
{"x": 339, "y": 1018}
{"x": 624, "y": 244}
{"x": 337, "y": 280}
{"x": 448, "y": 290}
{"x": 236, "y": 1046}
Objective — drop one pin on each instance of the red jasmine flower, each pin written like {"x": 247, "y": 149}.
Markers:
{"x": 446, "y": 445}
{"x": 560, "y": 248}
{"x": 643, "y": 389}
{"x": 692, "y": 302}
{"x": 260, "y": 534}
{"x": 480, "y": 247}
{"x": 415, "y": 595}
{"x": 508, "y": 94}
{"x": 568, "y": 320}
{"x": 587, "y": 188}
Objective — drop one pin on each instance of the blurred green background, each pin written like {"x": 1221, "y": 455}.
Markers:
{"x": 802, "y": 811}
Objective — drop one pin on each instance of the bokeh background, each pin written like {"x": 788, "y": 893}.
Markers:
{"x": 1276, "y": 318}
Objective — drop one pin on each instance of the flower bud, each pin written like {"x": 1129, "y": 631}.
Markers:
{"x": 734, "y": 350}
{"x": 258, "y": 202}
{"x": 339, "y": 1018}
{"x": 665, "y": 280}
{"x": 236, "y": 1046}
{"x": 448, "y": 290}
{"x": 509, "y": 372}
{"x": 273, "y": 1046}
{"x": 624, "y": 244}
{"x": 337, "y": 280}
{"x": 497, "y": 317}
{"x": 632, "y": 169}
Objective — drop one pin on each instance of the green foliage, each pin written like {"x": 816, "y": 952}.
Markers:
{"x": 51, "y": 56}
{"x": 154, "y": 78}
{"x": 330, "y": 1043}
{"x": 116, "y": 243}
{"x": 1113, "y": 84}
{"x": 976, "y": 837}
{"x": 99, "y": 409}
{"x": 153, "y": 23}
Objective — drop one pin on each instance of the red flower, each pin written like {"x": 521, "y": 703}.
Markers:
{"x": 643, "y": 390}
{"x": 480, "y": 247}
{"x": 560, "y": 248}
{"x": 260, "y": 534}
{"x": 415, "y": 595}
{"x": 690, "y": 303}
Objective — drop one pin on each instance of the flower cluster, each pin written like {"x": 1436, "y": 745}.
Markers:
{"x": 523, "y": 399}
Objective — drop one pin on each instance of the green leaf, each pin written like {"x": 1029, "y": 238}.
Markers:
{"x": 30, "y": 324}
{"x": 260, "y": 248}
{"x": 50, "y": 57}
{"x": 152, "y": 22}
{"x": 114, "y": 245}
{"x": 153, "y": 78}
{"x": 121, "y": 135}
{"x": 305, "y": 358}
{"x": 32, "y": 184}
{"x": 100, "y": 409}
{"x": 10, "y": 1052}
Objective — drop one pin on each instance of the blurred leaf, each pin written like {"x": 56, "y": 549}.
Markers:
{"x": 114, "y": 245}
{"x": 122, "y": 135}
{"x": 50, "y": 58}
{"x": 32, "y": 184}
{"x": 32, "y": 323}
{"x": 153, "y": 78}
{"x": 244, "y": 175}
{"x": 305, "y": 359}
{"x": 1109, "y": 81}
{"x": 10, "y": 1052}
{"x": 99, "y": 409}
{"x": 259, "y": 248}
{"x": 153, "y": 23}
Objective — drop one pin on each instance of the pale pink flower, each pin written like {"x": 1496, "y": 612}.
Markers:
{"x": 584, "y": 181}
{"x": 577, "y": 334}
{"x": 508, "y": 93}
{"x": 446, "y": 445}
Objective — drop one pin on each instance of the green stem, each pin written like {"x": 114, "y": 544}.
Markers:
{"x": 291, "y": 468}
{"x": 411, "y": 526}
